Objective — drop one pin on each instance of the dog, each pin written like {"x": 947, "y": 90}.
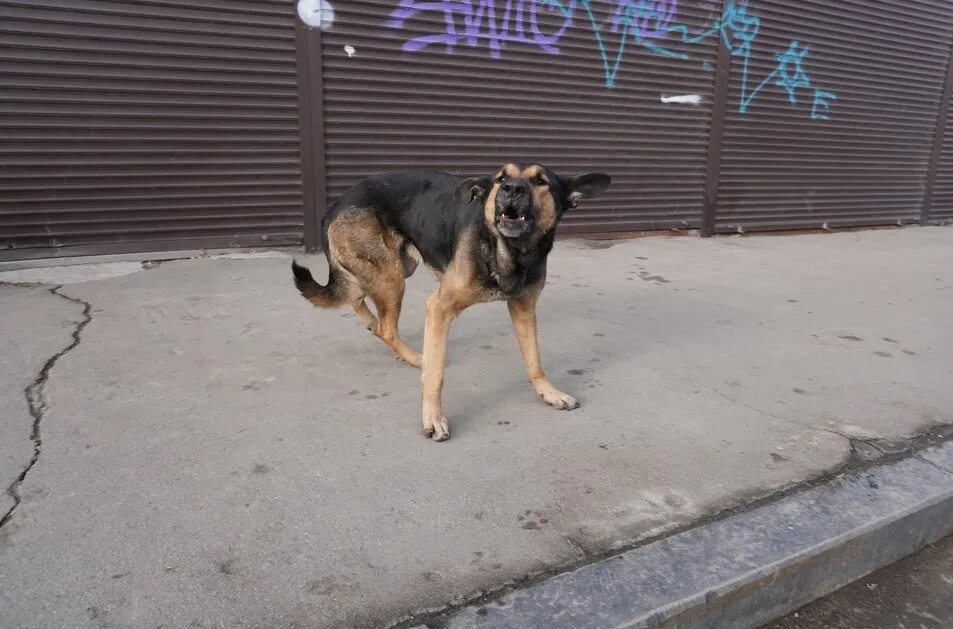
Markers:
{"x": 485, "y": 238}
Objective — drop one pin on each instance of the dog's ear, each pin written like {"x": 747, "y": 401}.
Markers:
{"x": 585, "y": 187}
{"x": 474, "y": 188}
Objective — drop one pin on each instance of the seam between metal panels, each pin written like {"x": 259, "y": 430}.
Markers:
{"x": 938, "y": 139}
{"x": 716, "y": 136}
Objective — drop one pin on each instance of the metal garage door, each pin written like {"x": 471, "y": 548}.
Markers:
{"x": 465, "y": 85}
{"x": 833, "y": 112}
{"x": 152, "y": 125}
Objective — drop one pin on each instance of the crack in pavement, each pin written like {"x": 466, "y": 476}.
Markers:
{"x": 788, "y": 420}
{"x": 574, "y": 544}
{"x": 36, "y": 401}
{"x": 853, "y": 442}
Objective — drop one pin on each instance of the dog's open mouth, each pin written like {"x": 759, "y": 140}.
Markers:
{"x": 513, "y": 223}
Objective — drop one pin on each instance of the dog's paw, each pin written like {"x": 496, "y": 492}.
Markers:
{"x": 436, "y": 427}
{"x": 556, "y": 398}
{"x": 414, "y": 360}
{"x": 562, "y": 401}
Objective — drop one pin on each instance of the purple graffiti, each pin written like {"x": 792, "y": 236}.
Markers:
{"x": 464, "y": 23}
{"x": 470, "y": 22}
{"x": 648, "y": 19}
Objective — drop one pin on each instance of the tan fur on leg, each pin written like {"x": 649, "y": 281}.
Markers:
{"x": 523, "y": 316}
{"x": 436, "y": 330}
{"x": 373, "y": 257}
{"x": 364, "y": 314}
{"x": 388, "y": 312}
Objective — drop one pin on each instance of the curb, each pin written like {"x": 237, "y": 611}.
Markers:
{"x": 748, "y": 569}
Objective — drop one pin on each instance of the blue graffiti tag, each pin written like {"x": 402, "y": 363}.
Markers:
{"x": 648, "y": 18}
{"x": 821, "y": 99}
{"x": 650, "y": 24}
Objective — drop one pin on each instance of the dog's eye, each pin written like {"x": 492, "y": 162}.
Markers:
{"x": 498, "y": 179}
{"x": 539, "y": 181}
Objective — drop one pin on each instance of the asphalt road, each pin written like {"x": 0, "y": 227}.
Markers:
{"x": 915, "y": 593}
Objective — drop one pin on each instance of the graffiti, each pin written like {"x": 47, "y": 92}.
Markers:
{"x": 821, "y": 99}
{"x": 519, "y": 24}
{"x": 648, "y": 24}
{"x": 647, "y": 18}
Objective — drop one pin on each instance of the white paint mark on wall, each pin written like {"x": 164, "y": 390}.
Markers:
{"x": 684, "y": 99}
{"x": 350, "y": 50}
{"x": 316, "y": 13}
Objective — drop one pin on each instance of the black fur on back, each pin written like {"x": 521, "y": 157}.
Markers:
{"x": 420, "y": 205}
{"x": 423, "y": 207}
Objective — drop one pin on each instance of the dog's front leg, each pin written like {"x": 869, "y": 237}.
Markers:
{"x": 437, "y": 328}
{"x": 523, "y": 316}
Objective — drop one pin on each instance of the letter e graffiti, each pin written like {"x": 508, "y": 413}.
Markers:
{"x": 822, "y": 104}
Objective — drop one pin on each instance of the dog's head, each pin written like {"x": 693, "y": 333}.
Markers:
{"x": 522, "y": 201}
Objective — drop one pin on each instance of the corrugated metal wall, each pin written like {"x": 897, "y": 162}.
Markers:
{"x": 874, "y": 70}
{"x": 136, "y": 126}
{"x": 168, "y": 124}
{"x": 545, "y": 90}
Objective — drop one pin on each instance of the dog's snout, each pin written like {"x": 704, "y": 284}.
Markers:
{"x": 515, "y": 188}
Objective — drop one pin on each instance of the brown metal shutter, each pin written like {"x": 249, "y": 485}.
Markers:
{"x": 942, "y": 206}
{"x": 458, "y": 107}
{"x": 885, "y": 62}
{"x": 151, "y": 125}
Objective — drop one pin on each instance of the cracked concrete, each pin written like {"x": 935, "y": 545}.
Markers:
{"x": 37, "y": 324}
{"x": 217, "y": 451}
{"x": 37, "y": 403}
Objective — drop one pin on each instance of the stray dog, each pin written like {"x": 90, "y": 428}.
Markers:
{"x": 486, "y": 238}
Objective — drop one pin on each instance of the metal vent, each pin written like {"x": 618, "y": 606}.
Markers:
{"x": 134, "y": 126}
{"x": 541, "y": 86}
{"x": 841, "y": 131}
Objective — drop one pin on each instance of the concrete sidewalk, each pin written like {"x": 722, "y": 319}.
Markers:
{"x": 217, "y": 453}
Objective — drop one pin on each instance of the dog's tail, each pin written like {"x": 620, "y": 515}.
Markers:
{"x": 330, "y": 296}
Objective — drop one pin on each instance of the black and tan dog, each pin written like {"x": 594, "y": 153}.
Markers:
{"x": 486, "y": 238}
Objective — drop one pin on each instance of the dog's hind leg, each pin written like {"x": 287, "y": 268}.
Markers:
{"x": 364, "y": 314}
{"x": 372, "y": 256}
{"x": 388, "y": 300}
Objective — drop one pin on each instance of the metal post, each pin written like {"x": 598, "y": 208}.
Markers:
{"x": 937, "y": 143}
{"x": 311, "y": 123}
{"x": 719, "y": 110}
